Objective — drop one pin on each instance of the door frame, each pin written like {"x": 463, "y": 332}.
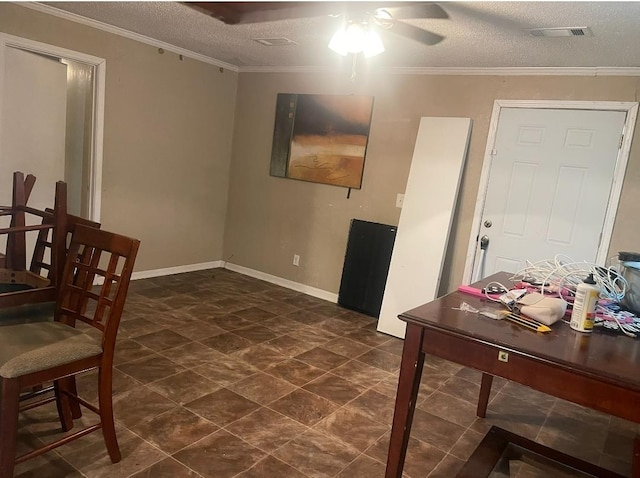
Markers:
{"x": 631, "y": 110}
{"x": 97, "y": 137}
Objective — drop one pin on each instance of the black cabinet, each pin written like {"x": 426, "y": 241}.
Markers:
{"x": 366, "y": 265}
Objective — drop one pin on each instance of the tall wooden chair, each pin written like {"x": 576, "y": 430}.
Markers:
{"x": 54, "y": 220}
{"x": 33, "y": 353}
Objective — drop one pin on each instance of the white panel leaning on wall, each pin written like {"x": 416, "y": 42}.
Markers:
{"x": 425, "y": 220}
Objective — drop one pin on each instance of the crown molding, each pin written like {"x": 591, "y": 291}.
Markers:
{"x": 284, "y": 69}
{"x": 56, "y": 12}
{"x": 502, "y": 71}
{"x": 520, "y": 71}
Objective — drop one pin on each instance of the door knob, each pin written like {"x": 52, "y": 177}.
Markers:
{"x": 484, "y": 242}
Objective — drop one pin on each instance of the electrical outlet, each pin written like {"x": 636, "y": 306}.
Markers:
{"x": 399, "y": 200}
{"x": 296, "y": 260}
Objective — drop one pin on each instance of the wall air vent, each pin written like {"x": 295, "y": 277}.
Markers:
{"x": 562, "y": 32}
{"x": 274, "y": 41}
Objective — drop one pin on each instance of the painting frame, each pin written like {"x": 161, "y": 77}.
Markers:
{"x": 321, "y": 138}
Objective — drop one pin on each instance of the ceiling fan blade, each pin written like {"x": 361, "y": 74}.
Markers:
{"x": 233, "y": 13}
{"x": 399, "y": 11}
{"x": 415, "y": 33}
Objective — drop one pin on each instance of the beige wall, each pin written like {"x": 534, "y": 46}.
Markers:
{"x": 169, "y": 127}
{"x": 167, "y": 140}
{"x": 270, "y": 219}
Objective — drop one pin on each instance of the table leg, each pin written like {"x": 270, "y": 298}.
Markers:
{"x": 635, "y": 464}
{"x": 408, "y": 384}
{"x": 485, "y": 391}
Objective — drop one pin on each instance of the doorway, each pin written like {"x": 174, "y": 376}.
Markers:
{"x": 75, "y": 121}
{"x": 550, "y": 183}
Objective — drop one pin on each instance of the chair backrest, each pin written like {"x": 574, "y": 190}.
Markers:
{"x": 107, "y": 259}
{"x": 44, "y": 243}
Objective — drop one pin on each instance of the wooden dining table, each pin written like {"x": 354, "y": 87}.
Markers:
{"x": 598, "y": 370}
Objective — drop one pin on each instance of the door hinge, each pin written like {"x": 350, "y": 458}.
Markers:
{"x": 621, "y": 141}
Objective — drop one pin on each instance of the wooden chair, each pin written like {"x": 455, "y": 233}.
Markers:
{"x": 33, "y": 353}
{"x": 54, "y": 220}
{"x": 45, "y": 242}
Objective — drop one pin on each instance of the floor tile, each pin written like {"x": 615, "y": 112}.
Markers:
{"x": 271, "y": 467}
{"x": 161, "y": 340}
{"x": 150, "y": 369}
{"x": 184, "y": 387}
{"x": 49, "y": 465}
{"x": 227, "y": 343}
{"x": 313, "y": 336}
{"x": 167, "y": 468}
{"x": 128, "y": 350}
{"x": 375, "y": 406}
{"x": 363, "y": 467}
{"x": 248, "y": 408}
{"x": 230, "y": 322}
{"x": 220, "y": 455}
{"x": 192, "y": 354}
{"x": 316, "y": 454}
{"x": 137, "y": 327}
{"x": 294, "y": 371}
{"x": 260, "y": 356}
{"x": 381, "y": 359}
{"x": 222, "y": 407}
{"x": 262, "y": 388}
{"x": 363, "y": 374}
{"x": 306, "y": 317}
{"x": 94, "y": 462}
{"x": 138, "y": 405}
{"x": 303, "y": 406}
{"x": 266, "y": 429}
{"x": 448, "y": 467}
{"x": 225, "y": 370}
{"x": 322, "y": 358}
{"x": 334, "y": 388}
{"x": 466, "y": 444}
{"x": 450, "y": 408}
{"x": 199, "y": 330}
{"x": 435, "y": 430}
{"x": 289, "y": 346}
{"x": 352, "y": 427}
{"x": 348, "y": 348}
{"x": 256, "y": 333}
{"x": 254, "y": 314}
{"x": 174, "y": 430}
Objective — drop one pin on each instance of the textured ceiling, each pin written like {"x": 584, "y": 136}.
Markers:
{"x": 478, "y": 35}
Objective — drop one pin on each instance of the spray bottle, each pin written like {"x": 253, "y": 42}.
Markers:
{"x": 584, "y": 306}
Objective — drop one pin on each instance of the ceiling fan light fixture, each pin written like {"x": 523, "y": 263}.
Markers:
{"x": 356, "y": 38}
{"x": 373, "y": 44}
{"x": 338, "y": 42}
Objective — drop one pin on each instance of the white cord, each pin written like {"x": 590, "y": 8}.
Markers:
{"x": 564, "y": 273}
{"x": 606, "y": 312}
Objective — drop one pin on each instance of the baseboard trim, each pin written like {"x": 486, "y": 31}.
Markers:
{"x": 176, "y": 270}
{"x": 306, "y": 289}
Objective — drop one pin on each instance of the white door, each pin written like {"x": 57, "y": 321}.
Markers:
{"x": 32, "y": 128}
{"x": 549, "y": 186}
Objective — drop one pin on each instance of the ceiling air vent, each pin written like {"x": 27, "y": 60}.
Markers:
{"x": 274, "y": 41}
{"x": 562, "y": 32}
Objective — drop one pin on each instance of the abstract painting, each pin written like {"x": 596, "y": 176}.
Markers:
{"x": 321, "y": 138}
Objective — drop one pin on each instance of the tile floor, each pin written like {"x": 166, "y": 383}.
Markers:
{"x": 220, "y": 375}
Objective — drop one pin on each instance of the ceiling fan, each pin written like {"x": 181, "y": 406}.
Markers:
{"x": 384, "y": 15}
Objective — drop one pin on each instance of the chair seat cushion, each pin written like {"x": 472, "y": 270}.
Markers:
{"x": 28, "y": 348}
